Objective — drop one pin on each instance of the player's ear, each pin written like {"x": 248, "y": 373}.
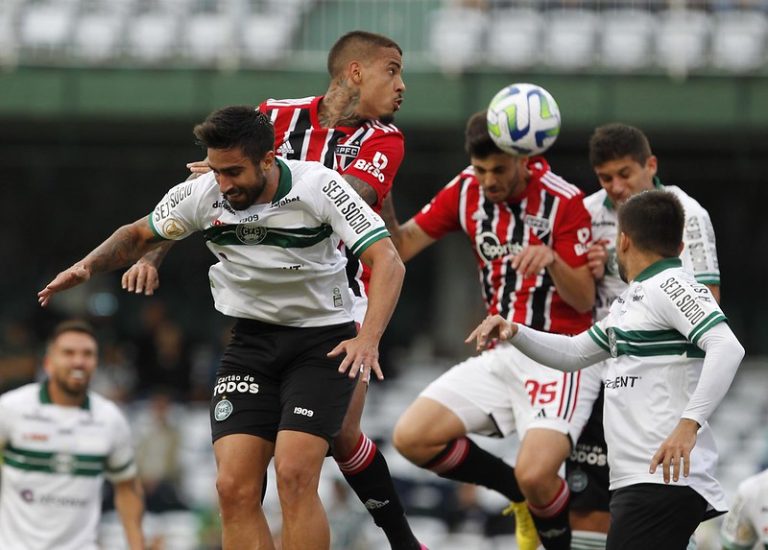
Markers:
{"x": 623, "y": 242}
{"x": 355, "y": 72}
{"x": 268, "y": 161}
{"x": 680, "y": 248}
{"x": 652, "y": 165}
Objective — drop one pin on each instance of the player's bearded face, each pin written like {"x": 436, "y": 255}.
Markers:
{"x": 501, "y": 176}
{"x": 70, "y": 362}
{"x": 241, "y": 181}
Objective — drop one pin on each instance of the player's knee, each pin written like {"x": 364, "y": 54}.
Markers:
{"x": 296, "y": 480}
{"x": 237, "y": 493}
{"x": 406, "y": 440}
{"x": 534, "y": 476}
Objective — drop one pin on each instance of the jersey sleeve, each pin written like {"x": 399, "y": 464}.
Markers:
{"x": 573, "y": 232}
{"x": 377, "y": 162}
{"x": 349, "y": 215}
{"x": 689, "y": 308}
{"x": 174, "y": 217}
{"x": 441, "y": 215}
{"x": 700, "y": 252}
{"x": 737, "y": 531}
{"x": 121, "y": 463}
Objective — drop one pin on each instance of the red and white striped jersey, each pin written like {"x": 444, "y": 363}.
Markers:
{"x": 371, "y": 152}
{"x": 551, "y": 212}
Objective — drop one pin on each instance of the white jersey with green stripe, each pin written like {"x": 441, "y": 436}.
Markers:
{"x": 279, "y": 262}
{"x": 699, "y": 255}
{"x": 55, "y": 460}
{"x": 651, "y": 332}
{"x": 747, "y": 522}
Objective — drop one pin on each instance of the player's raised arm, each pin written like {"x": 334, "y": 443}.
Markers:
{"x": 124, "y": 246}
{"x": 387, "y": 273}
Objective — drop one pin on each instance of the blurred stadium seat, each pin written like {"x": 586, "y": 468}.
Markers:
{"x": 515, "y": 38}
{"x": 46, "y": 27}
{"x": 456, "y": 37}
{"x": 739, "y": 40}
{"x": 626, "y": 36}
{"x": 682, "y": 40}
{"x": 570, "y": 38}
{"x": 152, "y": 36}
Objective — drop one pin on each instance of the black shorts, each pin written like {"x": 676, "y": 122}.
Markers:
{"x": 587, "y": 468}
{"x": 652, "y": 515}
{"x": 274, "y": 378}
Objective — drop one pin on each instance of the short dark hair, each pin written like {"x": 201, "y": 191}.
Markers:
{"x": 240, "y": 126}
{"x": 614, "y": 141}
{"x": 654, "y": 220}
{"x": 360, "y": 43}
{"x": 71, "y": 325}
{"x": 477, "y": 140}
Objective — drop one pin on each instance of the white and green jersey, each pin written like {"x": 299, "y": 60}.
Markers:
{"x": 278, "y": 262}
{"x": 747, "y": 522}
{"x": 55, "y": 459}
{"x": 699, "y": 255}
{"x": 651, "y": 332}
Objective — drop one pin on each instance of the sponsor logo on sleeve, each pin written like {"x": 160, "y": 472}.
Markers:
{"x": 174, "y": 198}
{"x": 358, "y": 218}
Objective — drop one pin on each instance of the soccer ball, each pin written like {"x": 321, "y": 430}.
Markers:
{"x": 523, "y": 119}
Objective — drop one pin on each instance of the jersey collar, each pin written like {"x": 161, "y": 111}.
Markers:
{"x": 45, "y": 396}
{"x": 285, "y": 183}
{"x": 657, "y": 267}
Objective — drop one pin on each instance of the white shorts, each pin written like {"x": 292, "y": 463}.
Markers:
{"x": 502, "y": 391}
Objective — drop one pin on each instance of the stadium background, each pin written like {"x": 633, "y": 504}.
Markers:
{"x": 97, "y": 102}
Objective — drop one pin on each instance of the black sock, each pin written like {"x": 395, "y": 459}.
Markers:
{"x": 463, "y": 460}
{"x": 368, "y": 475}
{"x": 554, "y": 529}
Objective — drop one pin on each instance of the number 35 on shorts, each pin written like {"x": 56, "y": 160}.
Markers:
{"x": 541, "y": 394}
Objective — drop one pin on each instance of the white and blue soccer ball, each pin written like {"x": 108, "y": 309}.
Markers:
{"x": 523, "y": 119}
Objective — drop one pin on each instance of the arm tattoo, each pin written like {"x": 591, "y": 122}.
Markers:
{"x": 123, "y": 247}
{"x": 156, "y": 256}
{"x": 363, "y": 189}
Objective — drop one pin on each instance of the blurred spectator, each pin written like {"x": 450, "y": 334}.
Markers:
{"x": 162, "y": 358}
{"x": 116, "y": 377}
{"x": 18, "y": 356}
{"x": 346, "y": 518}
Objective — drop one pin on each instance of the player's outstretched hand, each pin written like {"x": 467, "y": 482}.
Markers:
{"x": 532, "y": 259}
{"x": 493, "y": 327}
{"x": 75, "y": 275}
{"x": 676, "y": 448}
{"x": 199, "y": 167}
{"x": 141, "y": 277}
{"x": 362, "y": 356}
{"x": 597, "y": 257}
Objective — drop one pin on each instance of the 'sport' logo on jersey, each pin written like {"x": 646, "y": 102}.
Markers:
{"x": 223, "y": 409}
{"x": 490, "y": 248}
{"x": 251, "y": 234}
